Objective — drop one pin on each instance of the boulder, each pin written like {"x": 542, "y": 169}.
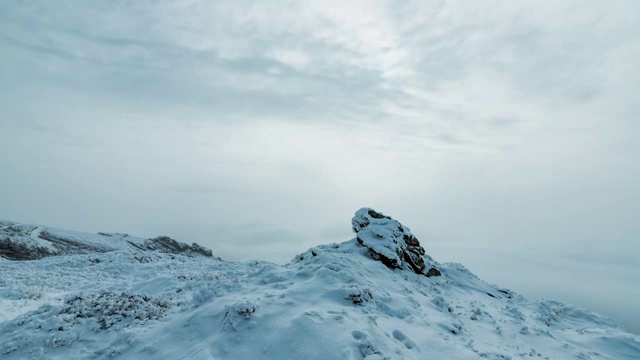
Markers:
{"x": 390, "y": 242}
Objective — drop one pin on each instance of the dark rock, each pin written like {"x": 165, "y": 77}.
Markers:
{"x": 433, "y": 272}
{"x": 360, "y": 296}
{"x": 16, "y": 242}
{"x": 376, "y": 215}
{"x": 17, "y": 251}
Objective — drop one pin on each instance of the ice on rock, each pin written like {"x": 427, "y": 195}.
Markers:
{"x": 391, "y": 242}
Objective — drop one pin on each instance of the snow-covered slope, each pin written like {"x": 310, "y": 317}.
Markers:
{"x": 30, "y": 242}
{"x": 377, "y": 296}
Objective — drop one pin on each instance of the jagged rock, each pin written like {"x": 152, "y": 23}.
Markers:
{"x": 166, "y": 244}
{"x": 391, "y": 242}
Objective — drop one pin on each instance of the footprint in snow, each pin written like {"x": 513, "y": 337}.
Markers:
{"x": 365, "y": 348}
{"x": 358, "y": 335}
{"x": 400, "y": 336}
{"x": 314, "y": 315}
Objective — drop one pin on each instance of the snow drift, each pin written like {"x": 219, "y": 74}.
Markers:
{"x": 377, "y": 296}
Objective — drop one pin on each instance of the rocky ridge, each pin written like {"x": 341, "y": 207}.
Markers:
{"x": 31, "y": 242}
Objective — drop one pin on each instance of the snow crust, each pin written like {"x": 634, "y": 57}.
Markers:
{"x": 330, "y": 302}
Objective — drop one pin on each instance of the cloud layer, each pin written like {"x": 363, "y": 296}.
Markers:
{"x": 257, "y": 128}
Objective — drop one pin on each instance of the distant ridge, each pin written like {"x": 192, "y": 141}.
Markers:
{"x": 31, "y": 242}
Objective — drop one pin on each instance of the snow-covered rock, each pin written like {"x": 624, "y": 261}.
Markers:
{"x": 391, "y": 242}
{"x": 330, "y": 302}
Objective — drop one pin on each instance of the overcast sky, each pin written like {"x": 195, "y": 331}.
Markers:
{"x": 506, "y": 134}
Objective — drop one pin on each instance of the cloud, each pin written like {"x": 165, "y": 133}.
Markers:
{"x": 495, "y": 123}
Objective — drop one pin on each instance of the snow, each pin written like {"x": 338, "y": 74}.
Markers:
{"x": 25, "y": 234}
{"x": 330, "y": 302}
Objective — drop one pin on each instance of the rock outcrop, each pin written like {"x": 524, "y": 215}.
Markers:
{"x": 166, "y": 244}
{"x": 392, "y": 243}
{"x": 17, "y": 243}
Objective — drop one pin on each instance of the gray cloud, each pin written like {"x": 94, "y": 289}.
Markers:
{"x": 509, "y": 127}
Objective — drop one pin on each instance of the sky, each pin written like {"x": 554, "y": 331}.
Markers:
{"x": 505, "y": 134}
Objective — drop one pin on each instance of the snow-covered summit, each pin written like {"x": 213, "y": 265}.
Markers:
{"x": 360, "y": 299}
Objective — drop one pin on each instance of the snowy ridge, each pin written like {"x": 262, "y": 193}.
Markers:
{"x": 31, "y": 242}
{"x": 338, "y": 301}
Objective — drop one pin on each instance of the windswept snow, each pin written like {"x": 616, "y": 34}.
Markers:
{"x": 330, "y": 302}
